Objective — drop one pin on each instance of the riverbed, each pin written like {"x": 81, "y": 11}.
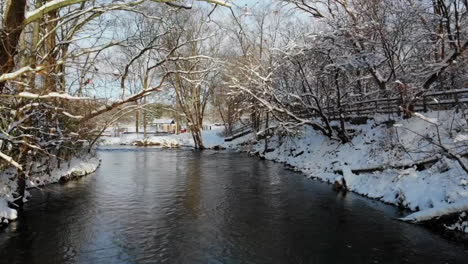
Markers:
{"x": 151, "y": 205}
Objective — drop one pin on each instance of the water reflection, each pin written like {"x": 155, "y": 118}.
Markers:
{"x": 159, "y": 206}
{"x": 192, "y": 192}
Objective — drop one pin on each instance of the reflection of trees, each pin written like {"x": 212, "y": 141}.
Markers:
{"x": 192, "y": 192}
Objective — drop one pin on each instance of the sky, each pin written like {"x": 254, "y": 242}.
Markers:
{"x": 110, "y": 89}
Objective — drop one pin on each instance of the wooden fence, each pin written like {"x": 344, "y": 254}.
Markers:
{"x": 440, "y": 100}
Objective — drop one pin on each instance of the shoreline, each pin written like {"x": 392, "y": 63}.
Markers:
{"x": 436, "y": 193}
{"x": 396, "y": 151}
{"x": 78, "y": 167}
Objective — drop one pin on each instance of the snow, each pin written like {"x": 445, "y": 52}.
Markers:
{"x": 77, "y": 167}
{"x": 461, "y": 226}
{"x": 163, "y": 121}
{"x": 12, "y": 75}
{"x": 6, "y": 212}
{"x": 72, "y": 116}
{"x": 428, "y": 214}
{"x": 51, "y": 95}
{"x": 461, "y": 137}
{"x": 439, "y": 189}
{"x": 211, "y": 138}
{"x": 425, "y": 118}
{"x": 9, "y": 160}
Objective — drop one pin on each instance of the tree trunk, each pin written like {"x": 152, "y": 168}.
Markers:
{"x": 145, "y": 87}
{"x": 10, "y": 34}
{"x": 197, "y": 136}
{"x": 50, "y": 79}
{"x": 266, "y": 132}
{"x": 342, "y": 134}
{"x": 137, "y": 119}
{"x": 145, "y": 125}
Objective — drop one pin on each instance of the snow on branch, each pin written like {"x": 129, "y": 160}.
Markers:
{"x": 13, "y": 75}
{"x": 425, "y": 118}
{"x": 437, "y": 211}
{"x": 48, "y": 7}
{"x": 51, "y": 95}
{"x": 109, "y": 107}
{"x": 216, "y": 2}
{"x": 72, "y": 116}
{"x": 10, "y": 160}
{"x": 38, "y": 13}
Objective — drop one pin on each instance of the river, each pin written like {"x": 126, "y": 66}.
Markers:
{"x": 152, "y": 205}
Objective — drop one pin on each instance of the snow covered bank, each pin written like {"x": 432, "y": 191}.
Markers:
{"x": 402, "y": 162}
{"x": 414, "y": 163}
{"x": 6, "y": 213}
{"x": 429, "y": 214}
{"x": 76, "y": 168}
{"x": 211, "y": 138}
{"x": 453, "y": 217}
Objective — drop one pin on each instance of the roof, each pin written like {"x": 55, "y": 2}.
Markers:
{"x": 163, "y": 121}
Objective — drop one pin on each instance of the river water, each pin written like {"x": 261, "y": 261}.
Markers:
{"x": 180, "y": 206}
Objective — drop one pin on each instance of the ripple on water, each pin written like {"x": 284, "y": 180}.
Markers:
{"x": 152, "y": 205}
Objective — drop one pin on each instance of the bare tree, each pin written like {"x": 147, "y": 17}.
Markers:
{"x": 49, "y": 57}
{"x": 196, "y": 72}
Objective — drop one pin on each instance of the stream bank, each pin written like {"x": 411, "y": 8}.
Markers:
{"x": 390, "y": 159}
{"x": 76, "y": 168}
{"x": 154, "y": 205}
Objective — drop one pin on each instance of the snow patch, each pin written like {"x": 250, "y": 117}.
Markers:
{"x": 76, "y": 168}
{"x": 211, "y": 138}
{"x": 6, "y": 212}
{"x": 437, "y": 211}
{"x": 51, "y": 95}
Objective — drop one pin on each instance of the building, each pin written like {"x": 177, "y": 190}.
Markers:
{"x": 164, "y": 125}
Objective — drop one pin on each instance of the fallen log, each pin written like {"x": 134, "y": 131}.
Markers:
{"x": 420, "y": 165}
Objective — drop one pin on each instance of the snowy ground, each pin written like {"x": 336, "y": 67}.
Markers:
{"x": 377, "y": 146}
{"x": 211, "y": 138}
{"x": 437, "y": 189}
{"x": 76, "y": 167}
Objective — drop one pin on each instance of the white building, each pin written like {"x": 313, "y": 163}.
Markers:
{"x": 164, "y": 125}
